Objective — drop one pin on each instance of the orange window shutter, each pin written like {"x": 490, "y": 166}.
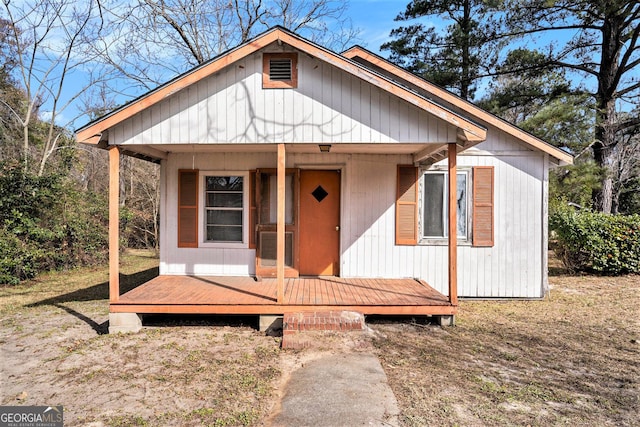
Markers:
{"x": 188, "y": 209}
{"x": 483, "y": 221}
{"x": 253, "y": 217}
{"x": 407, "y": 205}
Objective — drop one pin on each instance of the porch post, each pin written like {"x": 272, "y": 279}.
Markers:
{"x": 280, "y": 254}
{"x": 114, "y": 224}
{"x": 453, "y": 229}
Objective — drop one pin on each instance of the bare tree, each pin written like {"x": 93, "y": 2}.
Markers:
{"x": 150, "y": 41}
{"x": 625, "y": 168}
{"x": 47, "y": 37}
{"x": 147, "y": 42}
{"x": 603, "y": 46}
{"x": 321, "y": 21}
{"x": 11, "y": 96}
{"x": 143, "y": 199}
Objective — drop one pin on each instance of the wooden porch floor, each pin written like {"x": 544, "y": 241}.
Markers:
{"x": 244, "y": 295}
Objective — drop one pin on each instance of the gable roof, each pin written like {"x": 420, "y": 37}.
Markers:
{"x": 368, "y": 58}
{"x": 468, "y": 130}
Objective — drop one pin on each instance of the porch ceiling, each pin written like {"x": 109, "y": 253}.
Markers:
{"x": 341, "y": 148}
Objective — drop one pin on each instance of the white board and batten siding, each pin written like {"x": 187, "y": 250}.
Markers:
{"x": 513, "y": 267}
{"x": 329, "y": 105}
{"x": 213, "y": 261}
{"x": 332, "y": 106}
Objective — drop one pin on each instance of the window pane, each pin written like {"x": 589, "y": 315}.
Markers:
{"x": 433, "y": 205}
{"x": 224, "y": 200}
{"x": 224, "y": 183}
{"x": 221, "y": 233}
{"x": 217, "y": 217}
{"x": 288, "y": 199}
{"x": 268, "y": 247}
{"x": 224, "y": 214}
{"x": 461, "y": 196}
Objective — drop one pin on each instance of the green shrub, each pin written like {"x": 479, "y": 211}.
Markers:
{"x": 45, "y": 224}
{"x": 589, "y": 241}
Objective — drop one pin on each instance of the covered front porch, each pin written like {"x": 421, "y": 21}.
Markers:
{"x": 246, "y": 295}
{"x": 246, "y": 159}
{"x": 277, "y": 292}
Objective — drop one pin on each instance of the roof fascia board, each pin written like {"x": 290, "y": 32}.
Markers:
{"x": 447, "y": 96}
{"x": 346, "y": 64}
{"x": 90, "y": 134}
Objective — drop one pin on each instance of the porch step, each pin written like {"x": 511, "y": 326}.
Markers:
{"x": 295, "y": 324}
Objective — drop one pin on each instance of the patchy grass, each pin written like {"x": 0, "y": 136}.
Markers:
{"x": 570, "y": 359}
{"x": 187, "y": 372}
{"x": 79, "y": 285}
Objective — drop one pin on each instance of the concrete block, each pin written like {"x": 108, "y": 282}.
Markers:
{"x": 446, "y": 320}
{"x": 124, "y": 322}
{"x": 271, "y": 324}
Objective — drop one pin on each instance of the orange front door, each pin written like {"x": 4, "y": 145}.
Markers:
{"x": 319, "y": 222}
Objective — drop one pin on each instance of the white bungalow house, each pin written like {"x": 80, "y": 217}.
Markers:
{"x": 296, "y": 178}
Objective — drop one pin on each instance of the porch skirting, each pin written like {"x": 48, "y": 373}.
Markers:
{"x": 245, "y": 295}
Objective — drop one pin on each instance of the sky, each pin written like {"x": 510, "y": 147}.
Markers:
{"x": 375, "y": 20}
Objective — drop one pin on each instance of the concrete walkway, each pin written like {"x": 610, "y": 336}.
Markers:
{"x": 348, "y": 389}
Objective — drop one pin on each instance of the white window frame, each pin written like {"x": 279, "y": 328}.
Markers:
{"x": 202, "y": 210}
{"x": 443, "y": 240}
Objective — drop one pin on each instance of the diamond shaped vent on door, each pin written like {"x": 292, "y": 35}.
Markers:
{"x": 319, "y": 193}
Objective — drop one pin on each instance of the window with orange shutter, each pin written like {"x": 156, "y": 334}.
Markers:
{"x": 435, "y": 206}
{"x": 422, "y": 207}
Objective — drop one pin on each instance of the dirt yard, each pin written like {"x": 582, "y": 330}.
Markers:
{"x": 571, "y": 359}
{"x": 55, "y": 351}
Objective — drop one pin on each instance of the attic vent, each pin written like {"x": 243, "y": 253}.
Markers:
{"x": 280, "y": 70}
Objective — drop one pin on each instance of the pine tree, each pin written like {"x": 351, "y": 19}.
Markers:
{"x": 604, "y": 47}
{"x": 454, "y": 57}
